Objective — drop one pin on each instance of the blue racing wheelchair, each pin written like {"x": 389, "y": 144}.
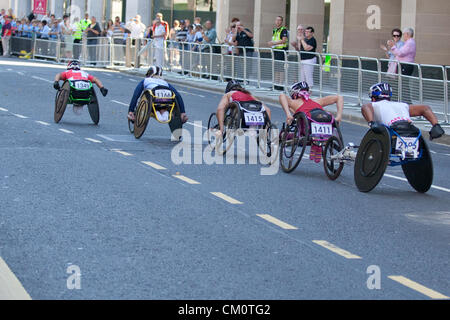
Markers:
{"x": 401, "y": 144}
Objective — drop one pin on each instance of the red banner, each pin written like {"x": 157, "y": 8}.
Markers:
{"x": 40, "y": 7}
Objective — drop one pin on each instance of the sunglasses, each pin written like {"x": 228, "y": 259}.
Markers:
{"x": 396, "y": 35}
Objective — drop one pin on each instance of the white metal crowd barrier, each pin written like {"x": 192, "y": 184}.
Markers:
{"x": 260, "y": 68}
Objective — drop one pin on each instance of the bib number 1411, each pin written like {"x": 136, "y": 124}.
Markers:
{"x": 324, "y": 129}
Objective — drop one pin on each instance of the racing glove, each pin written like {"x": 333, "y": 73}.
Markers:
{"x": 56, "y": 85}
{"x": 436, "y": 132}
{"x": 104, "y": 91}
{"x": 376, "y": 127}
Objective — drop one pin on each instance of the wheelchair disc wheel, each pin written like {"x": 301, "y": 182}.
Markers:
{"x": 372, "y": 160}
{"x": 142, "y": 115}
{"x": 93, "y": 107}
{"x": 61, "y": 101}
{"x": 294, "y": 140}
{"x": 333, "y": 168}
{"x": 419, "y": 173}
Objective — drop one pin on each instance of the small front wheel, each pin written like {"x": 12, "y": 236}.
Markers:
{"x": 333, "y": 167}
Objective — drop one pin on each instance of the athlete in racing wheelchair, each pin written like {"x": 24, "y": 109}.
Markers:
{"x": 239, "y": 111}
{"x": 393, "y": 140}
{"x": 156, "y": 98}
{"x": 77, "y": 89}
{"x": 307, "y": 124}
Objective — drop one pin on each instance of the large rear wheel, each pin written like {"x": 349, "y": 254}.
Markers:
{"x": 143, "y": 112}
{"x": 61, "y": 101}
{"x": 94, "y": 110}
{"x": 294, "y": 140}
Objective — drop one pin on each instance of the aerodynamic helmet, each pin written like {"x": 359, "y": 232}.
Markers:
{"x": 382, "y": 90}
{"x": 232, "y": 84}
{"x": 154, "y": 71}
{"x": 73, "y": 65}
{"x": 296, "y": 88}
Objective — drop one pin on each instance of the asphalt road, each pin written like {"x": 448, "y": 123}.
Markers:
{"x": 75, "y": 194}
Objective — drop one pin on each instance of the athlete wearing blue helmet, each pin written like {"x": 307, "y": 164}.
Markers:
{"x": 384, "y": 111}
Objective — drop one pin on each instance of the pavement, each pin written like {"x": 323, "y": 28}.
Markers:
{"x": 89, "y": 212}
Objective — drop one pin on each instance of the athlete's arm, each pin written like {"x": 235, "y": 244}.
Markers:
{"x": 221, "y": 109}
{"x": 425, "y": 111}
{"x": 137, "y": 93}
{"x": 58, "y": 77}
{"x": 338, "y": 100}
{"x": 96, "y": 81}
{"x": 367, "y": 112}
{"x": 285, "y": 104}
{"x": 179, "y": 98}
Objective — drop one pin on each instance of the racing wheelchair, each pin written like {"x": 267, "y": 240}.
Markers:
{"x": 159, "y": 103}
{"x": 79, "y": 93}
{"x": 308, "y": 131}
{"x": 241, "y": 117}
{"x": 401, "y": 144}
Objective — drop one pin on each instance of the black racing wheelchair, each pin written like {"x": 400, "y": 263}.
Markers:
{"x": 161, "y": 104}
{"x": 310, "y": 131}
{"x": 241, "y": 117}
{"x": 401, "y": 144}
{"x": 79, "y": 93}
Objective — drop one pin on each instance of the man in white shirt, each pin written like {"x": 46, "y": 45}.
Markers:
{"x": 159, "y": 37}
{"x": 136, "y": 27}
{"x": 383, "y": 111}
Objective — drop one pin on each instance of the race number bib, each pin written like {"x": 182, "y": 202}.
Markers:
{"x": 321, "y": 129}
{"x": 82, "y": 85}
{"x": 408, "y": 145}
{"x": 254, "y": 118}
{"x": 163, "y": 94}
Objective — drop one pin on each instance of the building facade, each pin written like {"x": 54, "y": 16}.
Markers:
{"x": 350, "y": 27}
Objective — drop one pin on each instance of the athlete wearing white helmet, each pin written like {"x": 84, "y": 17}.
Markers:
{"x": 384, "y": 111}
{"x": 74, "y": 73}
{"x": 299, "y": 100}
{"x": 152, "y": 80}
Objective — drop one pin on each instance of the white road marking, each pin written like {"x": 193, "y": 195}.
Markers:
{"x": 19, "y": 116}
{"x": 196, "y": 125}
{"x": 226, "y": 198}
{"x": 126, "y": 154}
{"x": 105, "y": 137}
{"x": 337, "y": 250}
{"x": 433, "y": 152}
{"x": 194, "y": 94}
{"x": 10, "y": 286}
{"x": 185, "y": 179}
{"x": 133, "y": 80}
{"x": 66, "y": 131}
{"x": 154, "y": 165}
{"x": 406, "y": 180}
{"x": 3, "y": 109}
{"x": 93, "y": 140}
{"x": 121, "y": 103}
{"x": 418, "y": 287}
{"x": 42, "y": 79}
{"x": 277, "y": 222}
{"x": 43, "y": 123}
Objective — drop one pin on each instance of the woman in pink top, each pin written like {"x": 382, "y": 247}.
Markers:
{"x": 407, "y": 53}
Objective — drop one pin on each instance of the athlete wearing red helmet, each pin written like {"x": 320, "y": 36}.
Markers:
{"x": 74, "y": 72}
